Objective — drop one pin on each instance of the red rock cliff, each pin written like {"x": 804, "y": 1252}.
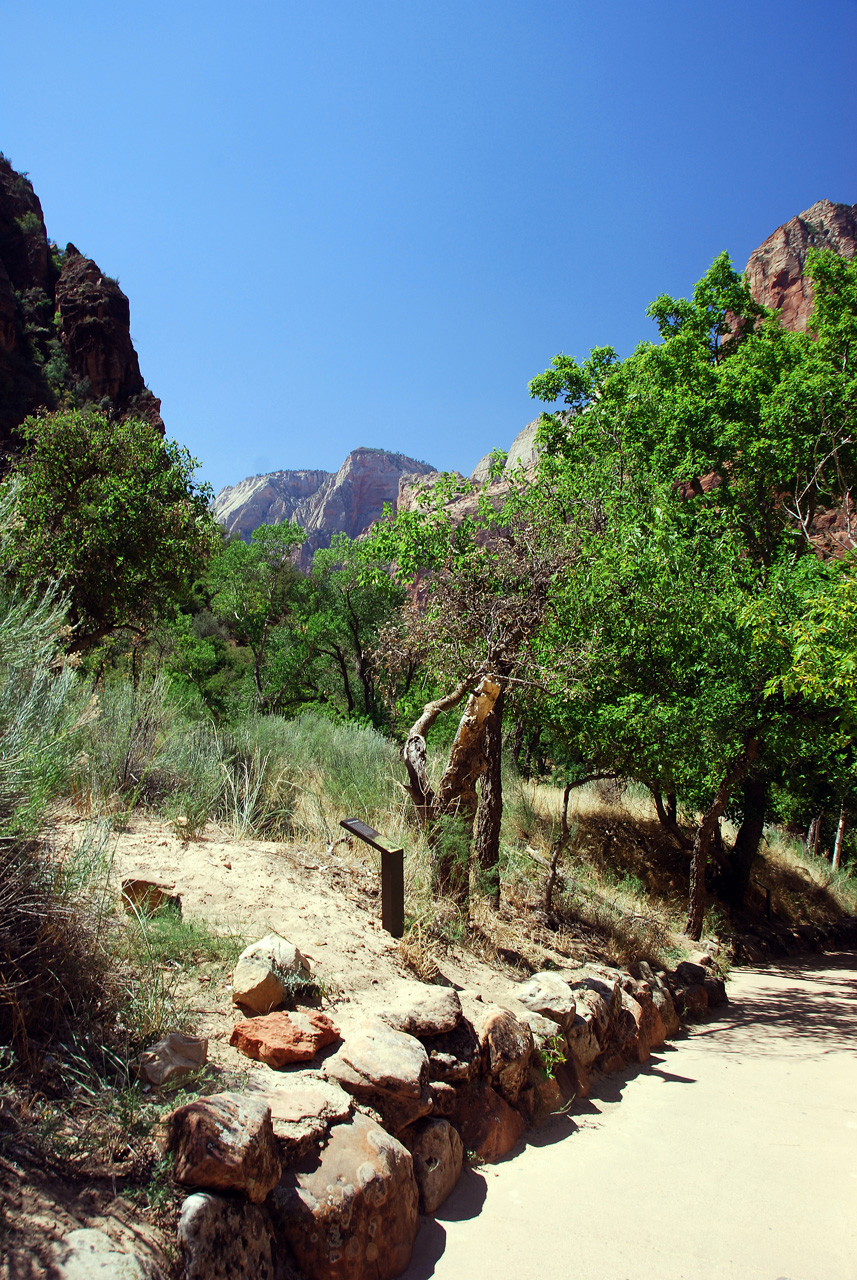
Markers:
{"x": 64, "y": 327}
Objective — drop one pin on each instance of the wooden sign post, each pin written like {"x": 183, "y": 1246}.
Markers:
{"x": 392, "y": 875}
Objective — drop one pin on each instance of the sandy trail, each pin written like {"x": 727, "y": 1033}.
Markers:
{"x": 732, "y": 1155}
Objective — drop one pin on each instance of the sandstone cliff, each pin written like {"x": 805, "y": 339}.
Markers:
{"x": 775, "y": 269}
{"x": 321, "y": 502}
{"x": 352, "y": 499}
{"x": 64, "y": 327}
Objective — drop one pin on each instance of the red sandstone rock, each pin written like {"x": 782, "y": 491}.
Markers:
{"x": 281, "y": 1038}
{"x": 776, "y": 269}
{"x": 224, "y": 1142}
{"x": 489, "y": 1127}
{"x": 350, "y": 1213}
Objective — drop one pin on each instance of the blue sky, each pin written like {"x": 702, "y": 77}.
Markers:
{"x": 372, "y": 223}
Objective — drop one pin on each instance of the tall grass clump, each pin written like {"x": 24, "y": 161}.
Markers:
{"x": 46, "y": 964}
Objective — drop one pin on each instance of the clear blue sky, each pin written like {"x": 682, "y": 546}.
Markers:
{"x": 347, "y": 222}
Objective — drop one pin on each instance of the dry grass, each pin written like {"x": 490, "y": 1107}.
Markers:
{"x": 804, "y": 890}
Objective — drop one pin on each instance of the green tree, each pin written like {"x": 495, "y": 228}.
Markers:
{"x": 111, "y": 512}
{"x": 694, "y": 471}
{"x": 253, "y": 588}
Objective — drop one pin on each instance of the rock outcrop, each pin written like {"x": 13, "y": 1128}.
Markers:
{"x": 321, "y": 502}
{"x": 776, "y": 269}
{"x": 64, "y": 326}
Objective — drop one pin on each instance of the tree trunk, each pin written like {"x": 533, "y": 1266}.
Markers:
{"x": 840, "y": 836}
{"x": 748, "y": 839}
{"x": 814, "y": 833}
{"x": 558, "y": 848}
{"x": 705, "y": 837}
{"x": 486, "y": 845}
{"x": 456, "y": 791}
{"x": 672, "y": 807}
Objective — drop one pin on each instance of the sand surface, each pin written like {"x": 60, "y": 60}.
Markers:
{"x": 732, "y": 1155}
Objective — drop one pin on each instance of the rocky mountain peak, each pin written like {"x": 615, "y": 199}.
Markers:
{"x": 321, "y": 502}
{"x": 776, "y": 269}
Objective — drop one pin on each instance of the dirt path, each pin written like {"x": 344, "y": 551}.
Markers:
{"x": 732, "y": 1155}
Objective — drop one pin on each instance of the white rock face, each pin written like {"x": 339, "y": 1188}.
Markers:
{"x": 321, "y": 502}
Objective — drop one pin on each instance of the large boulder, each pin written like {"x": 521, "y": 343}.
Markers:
{"x": 489, "y": 1127}
{"x": 266, "y": 973}
{"x": 385, "y": 1069}
{"x": 507, "y": 1046}
{"x": 304, "y": 1106}
{"x": 224, "y": 1238}
{"x": 454, "y": 1058}
{"x": 280, "y": 1038}
{"x": 437, "y": 1153}
{"x": 549, "y": 995}
{"x": 88, "y": 1254}
{"x": 420, "y": 1009}
{"x": 662, "y": 996}
{"x": 224, "y": 1142}
{"x": 351, "y": 1213}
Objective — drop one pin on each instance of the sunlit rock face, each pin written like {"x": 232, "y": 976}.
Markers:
{"x": 321, "y": 502}
{"x": 776, "y": 269}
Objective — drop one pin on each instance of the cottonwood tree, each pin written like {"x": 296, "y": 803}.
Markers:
{"x": 112, "y": 513}
{"x": 706, "y": 458}
{"x": 484, "y": 587}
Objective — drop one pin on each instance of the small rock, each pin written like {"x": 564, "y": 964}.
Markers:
{"x": 437, "y": 1153}
{"x": 582, "y": 1039}
{"x": 172, "y": 1058}
{"x": 546, "y": 993}
{"x": 662, "y": 997}
{"x": 715, "y": 989}
{"x": 146, "y": 897}
{"x": 350, "y": 1213}
{"x": 281, "y": 1038}
{"x": 443, "y": 1098}
{"x": 421, "y": 1009}
{"x": 224, "y": 1239}
{"x": 649, "y": 1027}
{"x": 88, "y": 1254}
{"x": 688, "y": 974}
{"x": 224, "y": 1142}
{"x": 692, "y": 1001}
{"x": 489, "y": 1127}
{"x": 261, "y": 979}
{"x": 544, "y": 1030}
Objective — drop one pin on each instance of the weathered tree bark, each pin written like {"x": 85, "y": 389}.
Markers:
{"x": 672, "y": 807}
{"x": 840, "y": 836}
{"x": 748, "y": 839}
{"x": 486, "y": 845}
{"x": 814, "y": 834}
{"x": 456, "y": 791}
{"x": 705, "y": 836}
{"x": 414, "y": 753}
